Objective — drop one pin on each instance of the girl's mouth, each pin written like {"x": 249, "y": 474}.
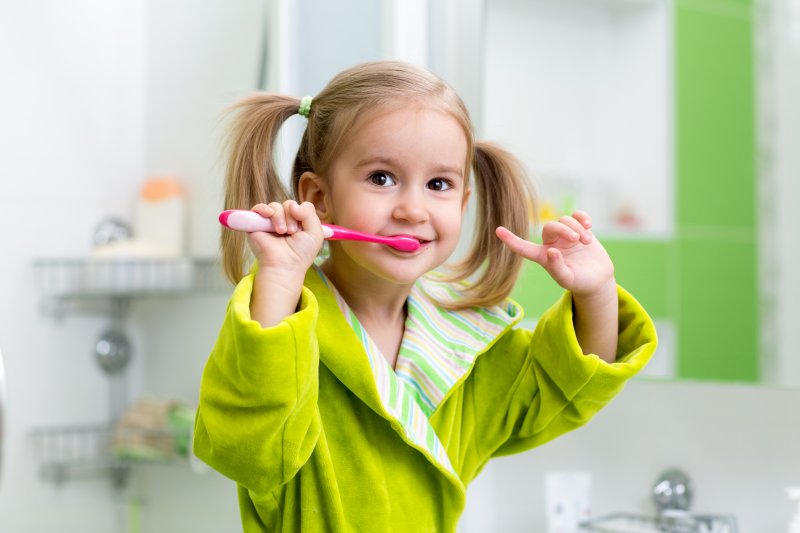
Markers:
{"x": 406, "y": 237}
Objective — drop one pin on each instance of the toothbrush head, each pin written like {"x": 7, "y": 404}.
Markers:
{"x": 403, "y": 243}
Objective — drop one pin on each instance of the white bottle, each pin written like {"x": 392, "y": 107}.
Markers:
{"x": 794, "y": 494}
{"x": 159, "y": 217}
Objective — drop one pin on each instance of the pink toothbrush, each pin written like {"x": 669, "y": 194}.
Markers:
{"x": 249, "y": 221}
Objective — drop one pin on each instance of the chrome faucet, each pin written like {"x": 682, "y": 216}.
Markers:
{"x": 673, "y": 491}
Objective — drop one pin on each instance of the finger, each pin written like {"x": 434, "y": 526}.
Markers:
{"x": 583, "y": 234}
{"x": 558, "y": 268}
{"x": 583, "y": 217}
{"x": 291, "y": 223}
{"x": 527, "y": 249}
{"x": 278, "y": 217}
{"x": 586, "y": 223}
{"x": 554, "y": 230}
{"x": 263, "y": 209}
{"x": 306, "y": 215}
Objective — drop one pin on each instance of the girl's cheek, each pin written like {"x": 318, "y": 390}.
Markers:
{"x": 363, "y": 223}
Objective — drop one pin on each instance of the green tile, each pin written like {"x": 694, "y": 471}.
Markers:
{"x": 535, "y": 290}
{"x": 721, "y": 7}
{"x": 642, "y": 268}
{"x": 718, "y": 314}
{"x": 715, "y": 120}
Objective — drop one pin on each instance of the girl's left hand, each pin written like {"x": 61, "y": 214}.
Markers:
{"x": 569, "y": 253}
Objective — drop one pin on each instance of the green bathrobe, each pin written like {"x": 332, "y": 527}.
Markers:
{"x": 321, "y": 434}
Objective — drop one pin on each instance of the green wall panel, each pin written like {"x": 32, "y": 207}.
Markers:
{"x": 642, "y": 268}
{"x": 720, "y": 7}
{"x": 535, "y": 290}
{"x": 716, "y": 209}
{"x": 715, "y": 120}
{"x": 717, "y": 336}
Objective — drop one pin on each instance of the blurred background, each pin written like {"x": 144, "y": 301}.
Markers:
{"x": 675, "y": 123}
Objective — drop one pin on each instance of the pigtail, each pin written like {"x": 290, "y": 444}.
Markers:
{"x": 250, "y": 176}
{"x": 505, "y": 198}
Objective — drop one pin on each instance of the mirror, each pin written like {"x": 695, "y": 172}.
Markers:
{"x": 590, "y": 112}
{"x": 671, "y": 127}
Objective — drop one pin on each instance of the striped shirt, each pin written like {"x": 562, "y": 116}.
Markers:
{"x": 438, "y": 349}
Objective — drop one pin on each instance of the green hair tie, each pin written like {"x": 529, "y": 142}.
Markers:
{"x": 305, "y": 106}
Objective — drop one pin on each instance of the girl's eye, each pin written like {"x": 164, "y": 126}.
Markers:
{"x": 439, "y": 184}
{"x": 381, "y": 178}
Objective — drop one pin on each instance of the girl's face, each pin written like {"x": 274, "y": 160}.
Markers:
{"x": 400, "y": 172}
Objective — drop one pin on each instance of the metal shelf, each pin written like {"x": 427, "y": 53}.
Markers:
{"x": 107, "y": 286}
{"x": 101, "y": 450}
{"x": 675, "y": 523}
{"x": 87, "y": 283}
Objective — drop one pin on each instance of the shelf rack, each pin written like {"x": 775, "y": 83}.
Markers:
{"x": 90, "y": 451}
{"x": 80, "y": 285}
{"x": 676, "y": 523}
{"x": 106, "y": 286}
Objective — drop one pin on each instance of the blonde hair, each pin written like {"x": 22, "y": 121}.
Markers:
{"x": 505, "y": 196}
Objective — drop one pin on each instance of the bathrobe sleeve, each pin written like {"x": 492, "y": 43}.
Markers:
{"x": 545, "y": 386}
{"x": 257, "y": 421}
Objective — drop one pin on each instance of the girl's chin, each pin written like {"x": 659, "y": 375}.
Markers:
{"x": 404, "y": 274}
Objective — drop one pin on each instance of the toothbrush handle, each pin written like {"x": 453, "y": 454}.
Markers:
{"x": 243, "y": 220}
{"x": 249, "y": 221}
{"x": 340, "y": 233}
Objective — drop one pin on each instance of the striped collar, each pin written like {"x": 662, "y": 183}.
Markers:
{"x": 438, "y": 349}
{"x": 440, "y": 345}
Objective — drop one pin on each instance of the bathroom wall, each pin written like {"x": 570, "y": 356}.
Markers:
{"x": 85, "y": 121}
{"x": 738, "y": 443}
{"x": 71, "y": 152}
{"x": 779, "y": 186}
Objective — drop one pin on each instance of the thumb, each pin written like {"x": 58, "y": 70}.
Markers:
{"x": 558, "y": 268}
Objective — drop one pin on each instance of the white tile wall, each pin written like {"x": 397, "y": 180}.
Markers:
{"x": 740, "y": 444}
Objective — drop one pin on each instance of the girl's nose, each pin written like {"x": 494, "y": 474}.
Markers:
{"x": 411, "y": 208}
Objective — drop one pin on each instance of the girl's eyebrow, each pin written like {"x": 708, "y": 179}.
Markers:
{"x": 378, "y": 159}
{"x": 394, "y": 162}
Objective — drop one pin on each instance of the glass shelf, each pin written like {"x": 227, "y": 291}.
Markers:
{"x": 679, "y": 522}
{"x": 104, "y": 451}
{"x": 71, "y": 281}
{"x": 106, "y": 286}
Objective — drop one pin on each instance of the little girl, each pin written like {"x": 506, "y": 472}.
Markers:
{"x": 358, "y": 390}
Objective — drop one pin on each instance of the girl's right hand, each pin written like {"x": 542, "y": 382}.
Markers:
{"x": 283, "y": 258}
{"x": 296, "y": 241}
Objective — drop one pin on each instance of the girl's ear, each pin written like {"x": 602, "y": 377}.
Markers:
{"x": 314, "y": 189}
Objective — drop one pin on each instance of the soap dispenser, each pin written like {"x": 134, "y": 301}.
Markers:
{"x": 794, "y": 495}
